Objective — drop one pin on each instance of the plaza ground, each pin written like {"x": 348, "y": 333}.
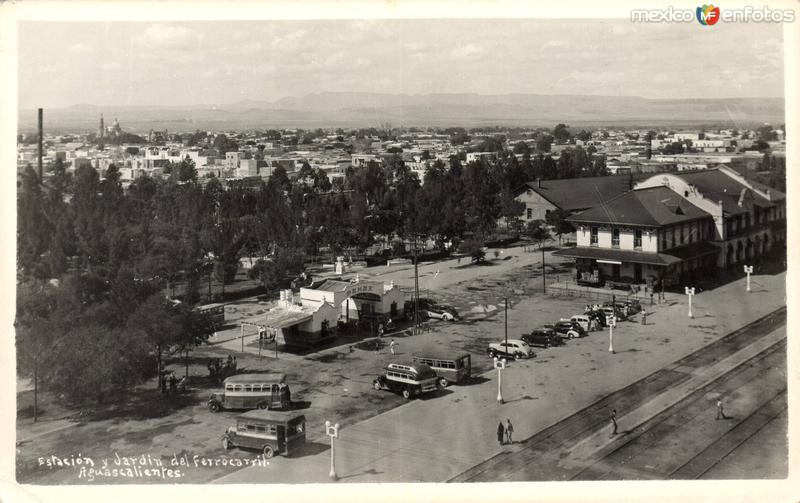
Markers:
{"x": 336, "y": 384}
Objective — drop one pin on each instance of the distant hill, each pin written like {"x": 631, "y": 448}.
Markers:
{"x": 371, "y": 109}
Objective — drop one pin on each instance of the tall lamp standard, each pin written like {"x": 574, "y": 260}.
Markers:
{"x": 500, "y": 365}
{"x": 333, "y": 431}
{"x": 749, "y": 270}
{"x": 690, "y": 293}
{"x": 611, "y": 321}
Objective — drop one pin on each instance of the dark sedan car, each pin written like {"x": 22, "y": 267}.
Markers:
{"x": 542, "y": 337}
{"x": 567, "y": 329}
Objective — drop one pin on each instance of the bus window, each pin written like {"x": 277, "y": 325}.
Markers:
{"x": 248, "y": 388}
{"x": 229, "y": 387}
{"x": 237, "y": 387}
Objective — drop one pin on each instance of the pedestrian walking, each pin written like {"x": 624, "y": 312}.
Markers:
{"x": 392, "y": 345}
{"x": 720, "y": 411}
{"x": 509, "y": 431}
{"x": 614, "y": 422}
{"x": 644, "y": 317}
{"x": 592, "y": 324}
{"x": 501, "y": 433}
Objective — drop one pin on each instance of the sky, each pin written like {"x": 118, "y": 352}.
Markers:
{"x": 220, "y": 62}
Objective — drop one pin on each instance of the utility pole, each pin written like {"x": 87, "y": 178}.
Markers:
{"x": 35, "y": 388}
{"x": 416, "y": 288}
{"x": 544, "y": 283}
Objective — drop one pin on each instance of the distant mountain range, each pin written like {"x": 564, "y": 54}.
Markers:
{"x": 371, "y": 109}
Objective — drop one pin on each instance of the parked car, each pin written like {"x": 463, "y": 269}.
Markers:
{"x": 633, "y": 305}
{"x": 515, "y": 348}
{"x": 567, "y": 329}
{"x": 442, "y": 312}
{"x": 618, "y": 313}
{"x": 626, "y": 308}
{"x": 542, "y": 337}
{"x": 597, "y": 314}
{"x": 424, "y": 304}
{"x": 583, "y": 320}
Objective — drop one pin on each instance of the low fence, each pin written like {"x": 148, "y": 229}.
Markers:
{"x": 575, "y": 290}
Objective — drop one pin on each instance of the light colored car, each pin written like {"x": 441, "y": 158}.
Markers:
{"x": 514, "y": 348}
{"x": 445, "y": 313}
{"x": 582, "y": 320}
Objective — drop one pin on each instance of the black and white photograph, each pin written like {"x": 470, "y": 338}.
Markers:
{"x": 461, "y": 243}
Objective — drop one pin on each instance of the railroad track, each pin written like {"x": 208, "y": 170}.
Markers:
{"x": 538, "y": 457}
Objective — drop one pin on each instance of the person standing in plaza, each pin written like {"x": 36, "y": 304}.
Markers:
{"x": 720, "y": 411}
{"x": 509, "y": 431}
{"x": 614, "y": 422}
{"x": 644, "y": 317}
{"x": 392, "y": 345}
{"x": 501, "y": 432}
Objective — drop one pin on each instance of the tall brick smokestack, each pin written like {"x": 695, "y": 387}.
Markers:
{"x": 41, "y": 135}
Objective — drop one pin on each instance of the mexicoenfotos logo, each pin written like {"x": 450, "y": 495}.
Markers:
{"x": 708, "y": 15}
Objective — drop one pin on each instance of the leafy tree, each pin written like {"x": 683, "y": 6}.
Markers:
{"x": 491, "y": 144}
{"x": 765, "y": 134}
{"x": 538, "y": 231}
{"x": 33, "y": 229}
{"x": 561, "y": 133}
{"x": 510, "y": 209}
{"x": 557, "y": 219}
{"x": 521, "y": 148}
{"x": 223, "y": 145}
{"x": 584, "y": 135}
{"x": 543, "y": 142}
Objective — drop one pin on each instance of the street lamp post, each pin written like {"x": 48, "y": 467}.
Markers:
{"x": 500, "y": 365}
{"x": 690, "y": 293}
{"x": 749, "y": 270}
{"x": 611, "y": 321}
{"x": 333, "y": 431}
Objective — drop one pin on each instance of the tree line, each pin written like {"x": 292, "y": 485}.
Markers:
{"x": 96, "y": 262}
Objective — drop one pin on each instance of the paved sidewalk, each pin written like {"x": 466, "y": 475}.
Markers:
{"x": 437, "y": 438}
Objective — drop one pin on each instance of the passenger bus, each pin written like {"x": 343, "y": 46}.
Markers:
{"x": 451, "y": 368}
{"x": 251, "y": 391}
{"x": 410, "y": 380}
{"x": 271, "y": 432}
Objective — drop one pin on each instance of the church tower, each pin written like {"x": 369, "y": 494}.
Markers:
{"x": 102, "y": 127}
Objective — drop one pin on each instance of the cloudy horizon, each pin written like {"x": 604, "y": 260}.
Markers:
{"x": 222, "y": 62}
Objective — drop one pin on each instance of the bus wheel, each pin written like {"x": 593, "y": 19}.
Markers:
{"x": 262, "y": 405}
{"x": 226, "y": 444}
{"x": 213, "y": 407}
{"x": 376, "y": 385}
{"x": 442, "y": 382}
{"x": 406, "y": 394}
{"x": 268, "y": 452}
